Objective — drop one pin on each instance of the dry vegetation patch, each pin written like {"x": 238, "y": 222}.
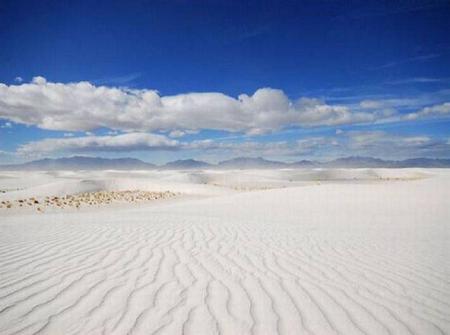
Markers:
{"x": 86, "y": 199}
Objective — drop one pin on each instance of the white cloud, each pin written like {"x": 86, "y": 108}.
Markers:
{"x": 152, "y": 142}
{"x": 18, "y": 79}
{"x": 371, "y": 104}
{"x": 6, "y": 125}
{"x": 382, "y": 144}
{"x": 364, "y": 138}
{"x": 8, "y": 157}
{"x": 82, "y": 106}
{"x": 432, "y": 111}
{"x": 246, "y": 148}
{"x": 310, "y": 144}
{"x": 124, "y": 142}
{"x": 177, "y": 133}
{"x": 415, "y": 102}
{"x": 416, "y": 80}
{"x": 350, "y": 143}
{"x": 39, "y": 80}
{"x": 180, "y": 133}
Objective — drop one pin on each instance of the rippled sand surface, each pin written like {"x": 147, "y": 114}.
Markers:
{"x": 235, "y": 252}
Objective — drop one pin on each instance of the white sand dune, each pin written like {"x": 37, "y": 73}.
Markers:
{"x": 314, "y": 253}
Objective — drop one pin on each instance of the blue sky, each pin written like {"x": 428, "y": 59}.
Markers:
{"x": 163, "y": 80}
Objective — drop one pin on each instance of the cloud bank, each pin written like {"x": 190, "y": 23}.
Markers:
{"x": 82, "y": 106}
{"x": 364, "y": 143}
{"x": 124, "y": 142}
{"x": 143, "y": 120}
{"x": 431, "y": 112}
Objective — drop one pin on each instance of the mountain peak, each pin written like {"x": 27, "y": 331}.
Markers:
{"x": 250, "y": 162}
{"x": 186, "y": 164}
{"x": 98, "y": 163}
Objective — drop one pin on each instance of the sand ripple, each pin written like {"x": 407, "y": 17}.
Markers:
{"x": 205, "y": 278}
{"x": 320, "y": 260}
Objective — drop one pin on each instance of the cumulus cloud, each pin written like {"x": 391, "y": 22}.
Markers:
{"x": 136, "y": 119}
{"x": 148, "y": 142}
{"x": 411, "y": 103}
{"x": 82, "y": 106}
{"x": 152, "y": 142}
{"x": 431, "y": 111}
{"x": 246, "y": 148}
{"x": 124, "y": 142}
{"x": 363, "y": 143}
{"x": 383, "y": 144}
{"x": 176, "y": 133}
{"x": 371, "y": 104}
{"x": 351, "y": 143}
{"x": 369, "y": 139}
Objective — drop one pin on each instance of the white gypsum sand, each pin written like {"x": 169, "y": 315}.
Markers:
{"x": 345, "y": 251}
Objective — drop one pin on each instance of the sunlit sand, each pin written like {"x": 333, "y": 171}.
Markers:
{"x": 345, "y": 251}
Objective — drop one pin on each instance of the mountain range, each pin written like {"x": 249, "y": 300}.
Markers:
{"x": 97, "y": 163}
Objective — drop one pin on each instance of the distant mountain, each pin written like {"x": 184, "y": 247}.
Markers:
{"x": 187, "y": 164}
{"x": 81, "y": 163}
{"x": 345, "y": 162}
{"x": 97, "y": 163}
{"x": 250, "y": 163}
{"x": 370, "y": 162}
{"x": 304, "y": 164}
{"x": 357, "y": 161}
{"x": 424, "y": 162}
